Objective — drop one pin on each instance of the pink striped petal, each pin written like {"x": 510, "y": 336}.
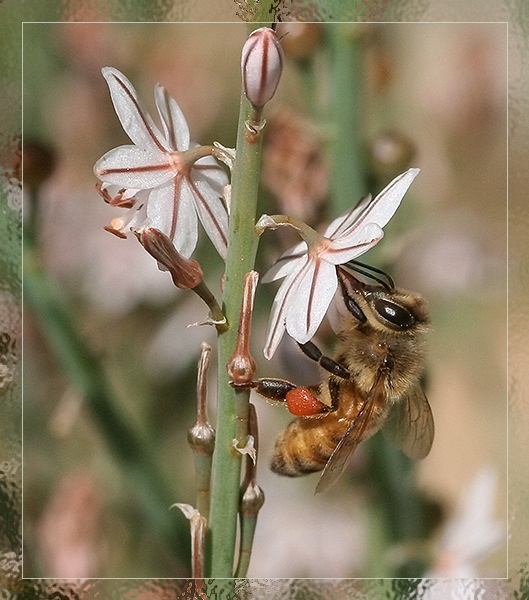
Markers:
{"x": 173, "y": 121}
{"x": 282, "y": 300}
{"x": 312, "y": 298}
{"x": 134, "y": 167}
{"x": 352, "y": 245}
{"x": 383, "y": 207}
{"x": 210, "y": 171}
{"x": 135, "y": 120}
{"x": 211, "y": 212}
{"x": 286, "y": 263}
{"x": 337, "y": 227}
{"x": 171, "y": 210}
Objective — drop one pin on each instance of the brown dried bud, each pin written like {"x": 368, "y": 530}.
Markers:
{"x": 185, "y": 272}
{"x": 252, "y": 499}
{"x": 241, "y": 369}
{"x": 201, "y": 438}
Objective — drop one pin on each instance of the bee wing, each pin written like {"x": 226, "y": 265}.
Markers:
{"x": 350, "y": 440}
{"x": 410, "y": 426}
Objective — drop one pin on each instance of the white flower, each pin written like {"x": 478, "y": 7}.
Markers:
{"x": 183, "y": 180}
{"x": 309, "y": 267}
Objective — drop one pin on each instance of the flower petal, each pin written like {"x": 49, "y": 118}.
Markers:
{"x": 135, "y": 120}
{"x": 276, "y": 323}
{"x": 286, "y": 263}
{"x": 211, "y": 172}
{"x": 337, "y": 312}
{"x": 171, "y": 210}
{"x": 312, "y": 297}
{"x": 211, "y": 211}
{"x": 383, "y": 207}
{"x": 354, "y": 244}
{"x": 337, "y": 227}
{"x": 133, "y": 167}
{"x": 173, "y": 121}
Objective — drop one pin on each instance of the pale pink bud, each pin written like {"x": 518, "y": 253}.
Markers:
{"x": 261, "y": 64}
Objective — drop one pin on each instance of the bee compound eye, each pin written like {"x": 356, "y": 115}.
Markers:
{"x": 397, "y": 315}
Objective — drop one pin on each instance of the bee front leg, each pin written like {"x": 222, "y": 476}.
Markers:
{"x": 325, "y": 362}
{"x": 300, "y": 401}
{"x": 273, "y": 389}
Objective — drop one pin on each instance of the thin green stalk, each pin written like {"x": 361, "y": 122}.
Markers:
{"x": 248, "y": 524}
{"x": 233, "y": 404}
{"x": 347, "y": 157}
{"x": 252, "y": 500}
{"x": 201, "y": 437}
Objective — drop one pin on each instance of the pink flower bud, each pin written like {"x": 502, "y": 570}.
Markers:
{"x": 261, "y": 64}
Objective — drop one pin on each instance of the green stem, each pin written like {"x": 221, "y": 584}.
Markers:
{"x": 233, "y": 404}
{"x": 347, "y": 157}
{"x": 248, "y": 524}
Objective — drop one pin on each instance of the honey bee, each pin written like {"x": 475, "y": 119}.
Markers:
{"x": 372, "y": 381}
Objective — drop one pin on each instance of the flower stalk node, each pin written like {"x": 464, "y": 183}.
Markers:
{"x": 248, "y": 449}
{"x": 253, "y": 128}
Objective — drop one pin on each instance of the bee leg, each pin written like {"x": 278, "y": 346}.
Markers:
{"x": 300, "y": 401}
{"x": 273, "y": 389}
{"x": 327, "y": 363}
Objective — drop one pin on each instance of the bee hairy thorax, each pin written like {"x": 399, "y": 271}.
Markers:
{"x": 365, "y": 354}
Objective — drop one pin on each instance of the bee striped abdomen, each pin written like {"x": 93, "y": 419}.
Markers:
{"x": 306, "y": 445}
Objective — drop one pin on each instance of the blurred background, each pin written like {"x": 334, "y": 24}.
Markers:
{"x": 433, "y": 96}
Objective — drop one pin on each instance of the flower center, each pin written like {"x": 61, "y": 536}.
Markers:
{"x": 178, "y": 162}
{"x": 319, "y": 246}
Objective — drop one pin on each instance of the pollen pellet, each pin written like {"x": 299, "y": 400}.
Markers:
{"x": 302, "y": 403}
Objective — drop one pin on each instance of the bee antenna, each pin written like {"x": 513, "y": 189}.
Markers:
{"x": 369, "y": 271}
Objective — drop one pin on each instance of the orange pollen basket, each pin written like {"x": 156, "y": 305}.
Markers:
{"x": 302, "y": 403}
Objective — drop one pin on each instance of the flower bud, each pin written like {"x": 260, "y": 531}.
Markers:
{"x": 261, "y": 64}
{"x": 201, "y": 438}
{"x": 252, "y": 500}
{"x": 186, "y": 272}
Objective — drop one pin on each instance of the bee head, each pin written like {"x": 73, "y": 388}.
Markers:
{"x": 398, "y": 310}
{"x": 383, "y": 307}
